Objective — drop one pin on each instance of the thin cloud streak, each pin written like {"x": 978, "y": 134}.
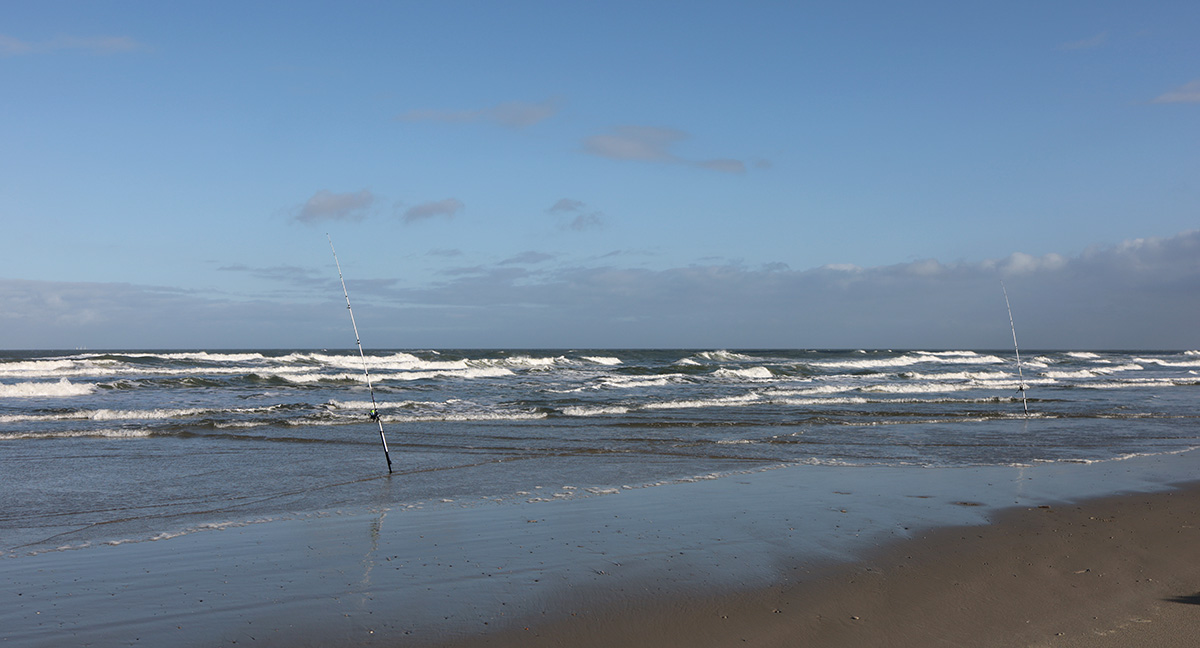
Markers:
{"x": 512, "y": 114}
{"x": 1186, "y": 93}
{"x": 652, "y": 144}
{"x": 447, "y": 208}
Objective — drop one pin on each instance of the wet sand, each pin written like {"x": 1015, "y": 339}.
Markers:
{"x": 797, "y": 556}
{"x": 1116, "y": 572}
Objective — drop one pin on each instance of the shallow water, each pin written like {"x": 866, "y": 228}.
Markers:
{"x": 105, "y": 447}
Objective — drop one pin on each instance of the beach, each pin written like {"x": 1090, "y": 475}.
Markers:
{"x": 1102, "y": 554}
{"x": 652, "y": 497}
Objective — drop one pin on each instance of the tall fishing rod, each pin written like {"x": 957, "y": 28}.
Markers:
{"x": 374, "y": 408}
{"x": 1020, "y": 375}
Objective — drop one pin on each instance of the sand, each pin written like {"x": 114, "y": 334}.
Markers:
{"x": 799, "y": 556}
{"x": 1116, "y": 572}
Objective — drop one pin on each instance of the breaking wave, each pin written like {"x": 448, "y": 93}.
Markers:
{"x": 59, "y": 389}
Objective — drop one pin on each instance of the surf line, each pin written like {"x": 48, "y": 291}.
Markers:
{"x": 374, "y": 408}
{"x": 1020, "y": 375}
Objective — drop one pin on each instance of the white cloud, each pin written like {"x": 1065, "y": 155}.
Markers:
{"x": 512, "y": 114}
{"x": 326, "y": 205}
{"x": 652, "y": 144}
{"x": 1186, "y": 93}
{"x": 447, "y": 208}
{"x": 1020, "y": 263}
{"x": 842, "y": 267}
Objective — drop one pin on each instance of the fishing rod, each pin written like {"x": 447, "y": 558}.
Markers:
{"x": 1020, "y": 375}
{"x": 374, "y": 408}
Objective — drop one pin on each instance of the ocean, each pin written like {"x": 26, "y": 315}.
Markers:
{"x": 113, "y": 447}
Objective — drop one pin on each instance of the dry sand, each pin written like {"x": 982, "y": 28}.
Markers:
{"x": 1116, "y": 572}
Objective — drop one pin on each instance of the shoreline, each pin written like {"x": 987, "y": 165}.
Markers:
{"x": 700, "y": 563}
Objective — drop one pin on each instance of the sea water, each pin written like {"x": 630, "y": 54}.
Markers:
{"x": 122, "y": 446}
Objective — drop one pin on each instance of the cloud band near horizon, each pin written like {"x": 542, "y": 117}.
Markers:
{"x": 1140, "y": 294}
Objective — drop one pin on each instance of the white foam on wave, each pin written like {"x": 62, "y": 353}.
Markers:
{"x": 1083, "y": 355}
{"x": 59, "y": 368}
{"x": 958, "y": 375}
{"x": 62, "y": 388}
{"x": 775, "y": 399}
{"x": 600, "y": 410}
{"x": 1091, "y": 373}
{"x": 107, "y": 368}
{"x": 116, "y": 415}
{"x": 724, "y": 356}
{"x": 1127, "y": 383}
{"x": 418, "y": 411}
{"x": 520, "y": 362}
{"x": 752, "y": 373}
{"x": 399, "y": 362}
{"x": 308, "y": 377}
{"x": 809, "y": 402}
{"x": 467, "y": 417}
{"x": 304, "y": 377}
{"x": 603, "y": 360}
{"x": 1122, "y": 457}
{"x": 406, "y": 366}
{"x": 815, "y": 390}
{"x": 633, "y": 382}
{"x": 909, "y": 359}
{"x": 917, "y": 388}
{"x": 469, "y": 373}
{"x": 38, "y": 367}
{"x": 112, "y": 433}
{"x": 366, "y": 405}
{"x": 728, "y": 401}
{"x": 203, "y": 356}
{"x": 1162, "y": 362}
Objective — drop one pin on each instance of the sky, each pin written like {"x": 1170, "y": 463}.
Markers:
{"x": 600, "y": 174}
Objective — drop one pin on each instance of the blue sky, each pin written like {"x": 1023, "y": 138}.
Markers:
{"x": 533, "y": 174}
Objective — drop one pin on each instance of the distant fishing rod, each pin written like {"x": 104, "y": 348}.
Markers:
{"x": 374, "y": 408}
{"x": 1020, "y": 375}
